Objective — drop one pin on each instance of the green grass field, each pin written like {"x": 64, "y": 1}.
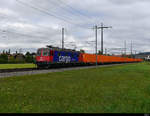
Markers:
{"x": 10, "y": 66}
{"x": 115, "y": 89}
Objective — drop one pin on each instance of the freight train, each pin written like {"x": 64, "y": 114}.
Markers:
{"x": 53, "y": 56}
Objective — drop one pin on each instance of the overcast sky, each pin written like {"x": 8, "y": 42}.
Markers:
{"x": 31, "y": 24}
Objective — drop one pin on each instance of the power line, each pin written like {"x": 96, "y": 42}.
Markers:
{"x": 46, "y": 12}
{"x": 41, "y": 10}
{"x": 55, "y": 4}
{"x": 62, "y": 14}
{"x": 78, "y": 12}
{"x": 25, "y": 35}
{"x": 25, "y": 22}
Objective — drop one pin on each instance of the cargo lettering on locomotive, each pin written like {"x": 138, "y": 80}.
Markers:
{"x": 64, "y": 59}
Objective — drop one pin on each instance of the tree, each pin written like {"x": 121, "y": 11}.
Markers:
{"x": 3, "y": 51}
{"x": 27, "y": 54}
{"x": 99, "y": 52}
{"x": 3, "y": 58}
{"x": 29, "y": 58}
{"x": 11, "y": 59}
{"x": 9, "y": 51}
{"x": 82, "y": 51}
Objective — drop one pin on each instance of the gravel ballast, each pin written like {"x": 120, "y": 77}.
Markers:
{"x": 22, "y": 73}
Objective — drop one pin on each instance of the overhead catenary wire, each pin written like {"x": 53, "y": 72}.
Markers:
{"x": 38, "y": 27}
{"x": 54, "y": 12}
{"x": 40, "y": 10}
{"x": 74, "y": 43}
{"x": 84, "y": 43}
{"x": 49, "y": 14}
{"x": 28, "y": 35}
{"x": 52, "y": 7}
{"x": 68, "y": 9}
{"x": 22, "y": 34}
{"x": 46, "y": 40}
{"x": 76, "y": 11}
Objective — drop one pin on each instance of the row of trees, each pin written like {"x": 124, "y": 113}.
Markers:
{"x": 17, "y": 58}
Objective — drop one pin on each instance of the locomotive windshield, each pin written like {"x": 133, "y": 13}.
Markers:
{"x": 39, "y": 52}
{"x": 46, "y": 52}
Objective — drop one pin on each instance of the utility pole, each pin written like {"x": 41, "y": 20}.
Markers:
{"x": 102, "y": 38}
{"x": 121, "y": 52}
{"x": 96, "y": 42}
{"x": 125, "y": 46}
{"x": 63, "y": 38}
{"x": 105, "y": 51}
{"x": 102, "y": 27}
{"x": 135, "y": 54}
{"x": 131, "y": 48}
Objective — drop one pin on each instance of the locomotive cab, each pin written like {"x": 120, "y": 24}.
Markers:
{"x": 44, "y": 57}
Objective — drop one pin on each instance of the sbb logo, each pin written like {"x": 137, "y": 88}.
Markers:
{"x": 41, "y": 58}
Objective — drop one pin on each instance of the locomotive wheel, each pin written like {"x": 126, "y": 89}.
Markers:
{"x": 39, "y": 67}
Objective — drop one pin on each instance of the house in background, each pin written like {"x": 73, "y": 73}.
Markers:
{"x": 144, "y": 56}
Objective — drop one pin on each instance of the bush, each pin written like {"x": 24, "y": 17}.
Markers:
{"x": 28, "y": 58}
{"x": 3, "y": 58}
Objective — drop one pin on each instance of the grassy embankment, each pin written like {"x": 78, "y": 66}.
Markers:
{"x": 10, "y": 66}
{"x": 115, "y": 89}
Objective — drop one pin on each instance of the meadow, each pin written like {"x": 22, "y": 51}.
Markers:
{"x": 11, "y": 66}
{"x": 113, "y": 89}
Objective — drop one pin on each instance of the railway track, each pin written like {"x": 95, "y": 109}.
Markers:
{"x": 55, "y": 68}
{"x": 31, "y": 71}
{"x": 17, "y": 70}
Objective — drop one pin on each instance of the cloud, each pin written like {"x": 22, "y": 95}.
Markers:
{"x": 28, "y": 28}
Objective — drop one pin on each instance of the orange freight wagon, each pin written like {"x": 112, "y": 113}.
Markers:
{"x": 91, "y": 58}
